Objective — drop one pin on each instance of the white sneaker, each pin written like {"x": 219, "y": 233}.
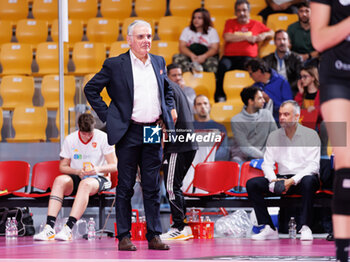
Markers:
{"x": 267, "y": 233}
{"x": 175, "y": 234}
{"x": 65, "y": 234}
{"x": 48, "y": 233}
{"x": 306, "y": 233}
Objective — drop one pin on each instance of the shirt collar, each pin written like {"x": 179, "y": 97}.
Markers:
{"x": 298, "y": 131}
{"x": 136, "y": 60}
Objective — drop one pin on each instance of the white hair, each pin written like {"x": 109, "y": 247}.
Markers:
{"x": 294, "y": 104}
{"x": 135, "y": 23}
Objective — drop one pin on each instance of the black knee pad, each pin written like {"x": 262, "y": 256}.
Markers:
{"x": 341, "y": 189}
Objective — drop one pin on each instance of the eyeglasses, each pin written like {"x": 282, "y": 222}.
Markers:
{"x": 142, "y": 36}
{"x": 304, "y": 76}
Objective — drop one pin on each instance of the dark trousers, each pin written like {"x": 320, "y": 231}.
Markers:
{"x": 132, "y": 152}
{"x": 228, "y": 63}
{"x": 258, "y": 187}
{"x": 174, "y": 173}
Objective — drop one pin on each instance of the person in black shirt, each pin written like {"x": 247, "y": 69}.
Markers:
{"x": 330, "y": 34}
{"x": 178, "y": 157}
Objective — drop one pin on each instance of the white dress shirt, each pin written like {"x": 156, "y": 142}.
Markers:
{"x": 299, "y": 155}
{"x": 146, "y": 108}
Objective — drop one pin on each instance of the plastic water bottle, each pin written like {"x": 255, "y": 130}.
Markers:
{"x": 91, "y": 229}
{"x": 8, "y": 228}
{"x": 14, "y": 228}
{"x": 292, "y": 225}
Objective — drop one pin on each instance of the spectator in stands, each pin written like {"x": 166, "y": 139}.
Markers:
{"x": 175, "y": 75}
{"x": 274, "y": 86}
{"x": 203, "y": 121}
{"x": 279, "y": 6}
{"x": 284, "y": 61}
{"x": 86, "y": 162}
{"x": 199, "y": 44}
{"x": 299, "y": 34}
{"x": 308, "y": 96}
{"x": 252, "y": 126}
{"x": 241, "y": 36}
{"x": 296, "y": 151}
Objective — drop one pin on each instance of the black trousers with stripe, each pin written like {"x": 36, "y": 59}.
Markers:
{"x": 175, "y": 167}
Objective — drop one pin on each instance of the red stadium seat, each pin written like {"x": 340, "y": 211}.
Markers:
{"x": 14, "y": 175}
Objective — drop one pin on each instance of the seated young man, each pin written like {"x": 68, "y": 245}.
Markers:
{"x": 296, "y": 150}
{"x": 86, "y": 162}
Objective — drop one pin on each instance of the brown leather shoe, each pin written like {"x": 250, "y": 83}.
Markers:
{"x": 126, "y": 245}
{"x": 157, "y": 244}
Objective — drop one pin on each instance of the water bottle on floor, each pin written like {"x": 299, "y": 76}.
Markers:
{"x": 14, "y": 228}
{"x": 8, "y": 228}
{"x": 292, "y": 225}
{"x": 91, "y": 229}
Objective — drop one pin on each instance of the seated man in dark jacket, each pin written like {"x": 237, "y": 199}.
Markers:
{"x": 284, "y": 61}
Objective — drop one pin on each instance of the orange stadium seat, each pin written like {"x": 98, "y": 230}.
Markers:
{"x": 31, "y": 31}
{"x": 151, "y": 9}
{"x": 224, "y": 111}
{"x": 223, "y": 8}
{"x": 170, "y": 27}
{"x": 266, "y": 48}
{"x": 165, "y": 49}
{"x": 13, "y": 10}
{"x": 69, "y": 123}
{"x": 75, "y": 28}
{"x": 256, "y": 6}
{"x": 29, "y": 124}
{"x": 88, "y": 57}
{"x": 280, "y": 21}
{"x": 129, "y": 20}
{"x": 16, "y": 58}
{"x": 118, "y": 48}
{"x": 47, "y": 58}
{"x": 120, "y": 9}
{"x": 104, "y": 94}
{"x": 234, "y": 82}
{"x": 184, "y": 7}
{"x": 82, "y": 9}
{"x": 45, "y": 10}
{"x": 50, "y": 91}
{"x": 219, "y": 24}
{"x": 5, "y": 31}
{"x": 17, "y": 90}
{"x": 102, "y": 30}
{"x": 203, "y": 83}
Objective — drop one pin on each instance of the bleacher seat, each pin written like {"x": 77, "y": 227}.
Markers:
{"x": 5, "y": 31}
{"x": 280, "y": 21}
{"x": 102, "y": 30}
{"x": 120, "y": 9}
{"x": 203, "y": 83}
{"x": 14, "y": 175}
{"x": 118, "y": 48}
{"x": 104, "y": 94}
{"x": 127, "y": 21}
{"x": 88, "y": 57}
{"x": 266, "y": 48}
{"x": 45, "y": 10}
{"x": 29, "y": 124}
{"x": 165, "y": 49}
{"x": 82, "y": 9}
{"x": 219, "y": 24}
{"x": 50, "y": 91}
{"x": 170, "y": 27}
{"x": 184, "y": 7}
{"x": 224, "y": 111}
{"x": 17, "y": 90}
{"x": 47, "y": 58}
{"x": 31, "y": 31}
{"x": 234, "y": 82}
{"x": 75, "y": 31}
{"x": 151, "y": 9}
{"x": 223, "y": 8}
{"x": 69, "y": 122}
{"x": 13, "y": 10}
{"x": 16, "y": 58}
{"x": 256, "y": 6}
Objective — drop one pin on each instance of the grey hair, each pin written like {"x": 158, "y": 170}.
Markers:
{"x": 294, "y": 104}
{"x": 135, "y": 23}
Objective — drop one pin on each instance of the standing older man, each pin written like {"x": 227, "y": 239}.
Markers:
{"x": 242, "y": 36}
{"x": 296, "y": 150}
{"x": 141, "y": 97}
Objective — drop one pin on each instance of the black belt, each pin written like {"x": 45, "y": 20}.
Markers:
{"x": 144, "y": 124}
